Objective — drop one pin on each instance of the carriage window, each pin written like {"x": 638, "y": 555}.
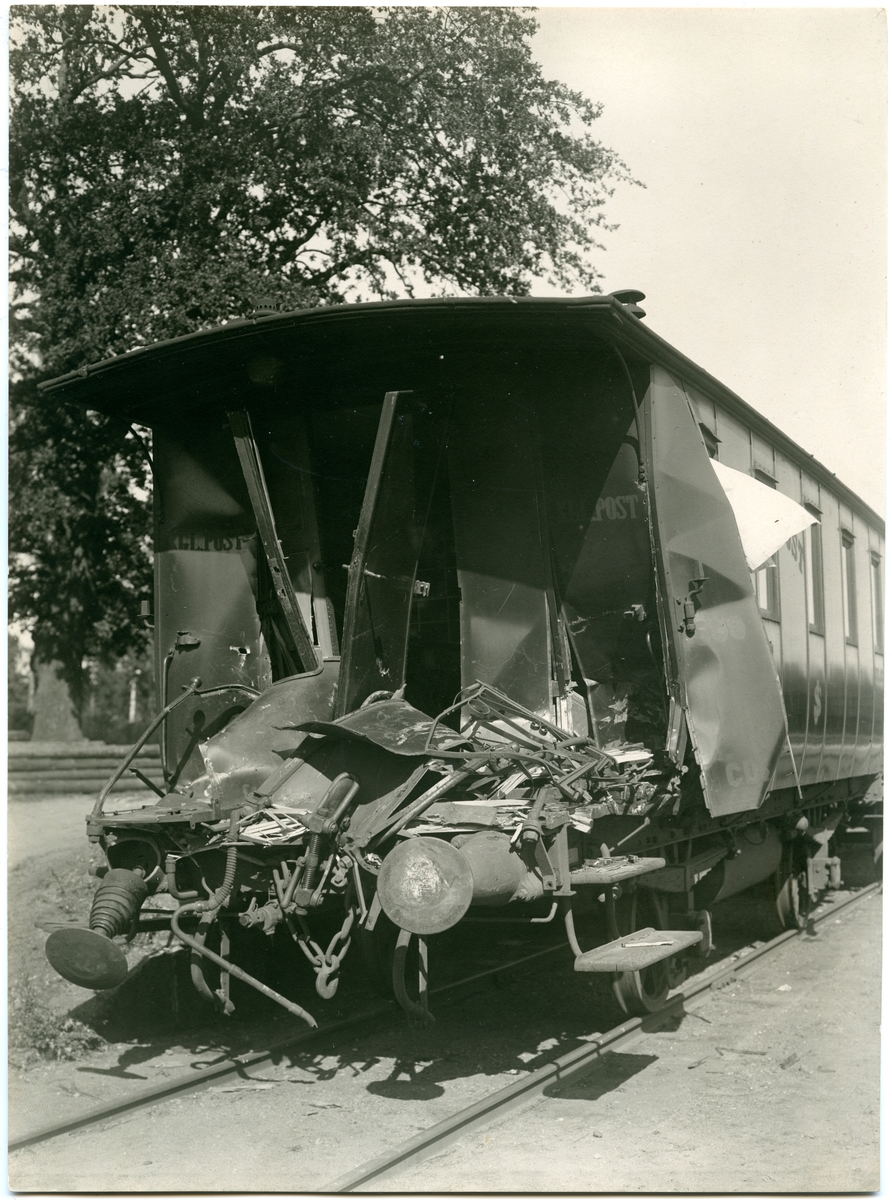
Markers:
{"x": 767, "y": 589}
{"x": 710, "y": 440}
{"x": 849, "y": 595}
{"x": 876, "y": 579}
{"x": 765, "y": 583}
{"x": 814, "y": 575}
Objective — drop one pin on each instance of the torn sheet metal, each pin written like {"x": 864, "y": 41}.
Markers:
{"x": 766, "y": 519}
{"x": 255, "y": 743}
{"x": 393, "y": 724}
{"x": 719, "y": 664}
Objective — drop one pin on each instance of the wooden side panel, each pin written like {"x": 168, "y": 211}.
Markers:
{"x": 832, "y": 687}
{"x": 875, "y": 762}
{"x": 734, "y": 442}
{"x": 864, "y": 722}
{"x": 816, "y": 688}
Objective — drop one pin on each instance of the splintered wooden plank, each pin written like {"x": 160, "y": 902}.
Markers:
{"x": 613, "y": 870}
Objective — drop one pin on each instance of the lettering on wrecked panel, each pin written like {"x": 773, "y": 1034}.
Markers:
{"x": 618, "y": 508}
{"x": 210, "y": 541}
{"x": 737, "y": 773}
{"x": 817, "y": 702}
{"x": 796, "y": 547}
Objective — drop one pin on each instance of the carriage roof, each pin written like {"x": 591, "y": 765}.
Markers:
{"x": 148, "y": 381}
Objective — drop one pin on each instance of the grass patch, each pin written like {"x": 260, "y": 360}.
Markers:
{"x": 35, "y": 1031}
{"x": 70, "y": 888}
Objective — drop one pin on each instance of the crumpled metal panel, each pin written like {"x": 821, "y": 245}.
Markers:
{"x": 258, "y": 740}
{"x": 718, "y": 661}
{"x": 378, "y": 771}
{"x": 393, "y": 724}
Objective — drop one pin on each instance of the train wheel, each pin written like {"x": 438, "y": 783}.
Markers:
{"x": 642, "y": 992}
{"x": 793, "y": 903}
{"x": 789, "y": 903}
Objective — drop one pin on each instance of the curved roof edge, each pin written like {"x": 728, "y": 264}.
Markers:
{"x": 628, "y": 330}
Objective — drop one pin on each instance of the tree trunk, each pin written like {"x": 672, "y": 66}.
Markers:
{"x": 54, "y": 716}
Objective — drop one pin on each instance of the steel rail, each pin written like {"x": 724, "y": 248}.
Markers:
{"x": 239, "y": 1063}
{"x": 567, "y": 1066}
{"x": 575, "y": 1062}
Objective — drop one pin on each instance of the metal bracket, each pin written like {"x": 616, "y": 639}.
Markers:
{"x": 543, "y": 862}
{"x": 560, "y": 850}
{"x": 689, "y": 608}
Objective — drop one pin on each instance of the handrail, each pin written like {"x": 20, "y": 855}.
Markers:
{"x": 190, "y": 689}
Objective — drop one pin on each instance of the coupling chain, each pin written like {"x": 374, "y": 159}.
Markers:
{"x": 327, "y": 963}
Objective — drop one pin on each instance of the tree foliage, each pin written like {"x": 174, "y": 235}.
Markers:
{"x": 79, "y": 532}
{"x": 175, "y": 166}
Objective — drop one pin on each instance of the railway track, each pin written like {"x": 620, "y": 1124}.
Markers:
{"x": 560, "y": 1068}
{"x": 194, "y": 1080}
{"x": 564, "y": 1068}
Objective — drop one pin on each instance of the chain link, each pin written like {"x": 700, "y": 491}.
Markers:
{"x": 326, "y": 963}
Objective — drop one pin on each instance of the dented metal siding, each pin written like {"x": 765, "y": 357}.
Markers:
{"x": 725, "y": 677}
{"x": 206, "y": 549}
{"x": 793, "y": 633}
{"x": 860, "y": 764}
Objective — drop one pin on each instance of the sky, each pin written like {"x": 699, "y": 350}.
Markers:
{"x": 760, "y": 236}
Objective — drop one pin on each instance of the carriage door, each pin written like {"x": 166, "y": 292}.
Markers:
{"x": 719, "y": 669}
{"x": 382, "y": 580}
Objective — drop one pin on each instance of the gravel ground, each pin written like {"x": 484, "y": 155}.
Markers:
{"x": 40, "y": 825}
{"x": 757, "y": 1091}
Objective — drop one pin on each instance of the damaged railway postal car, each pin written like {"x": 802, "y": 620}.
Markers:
{"x": 455, "y": 619}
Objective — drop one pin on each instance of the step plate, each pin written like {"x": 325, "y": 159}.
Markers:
{"x": 605, "y": 871}
{"x": 638, "y": 950}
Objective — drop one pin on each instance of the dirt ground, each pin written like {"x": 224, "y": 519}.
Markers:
{"x": 771, "y": 1086}
{"x": 39, "y": 825}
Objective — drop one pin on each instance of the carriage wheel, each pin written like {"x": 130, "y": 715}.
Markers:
{"x": 793, "y": 903}
{"x": 642, "y": 992}
{"x": 788, "y": 902}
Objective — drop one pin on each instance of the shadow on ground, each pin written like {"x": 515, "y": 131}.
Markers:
{"x": 511, "y": 1021}
{"x": 508, "y": 1023}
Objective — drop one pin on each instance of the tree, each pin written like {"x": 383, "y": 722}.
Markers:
{"x": 172, "y": 167}
{"x": 79, "y": 531}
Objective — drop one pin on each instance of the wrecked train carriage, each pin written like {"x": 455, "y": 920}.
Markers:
{"x": 462, "y": 604}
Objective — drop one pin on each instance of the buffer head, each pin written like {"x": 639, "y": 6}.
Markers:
{"x": 425, "y": 885}
{"x": 86, "y": 957}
